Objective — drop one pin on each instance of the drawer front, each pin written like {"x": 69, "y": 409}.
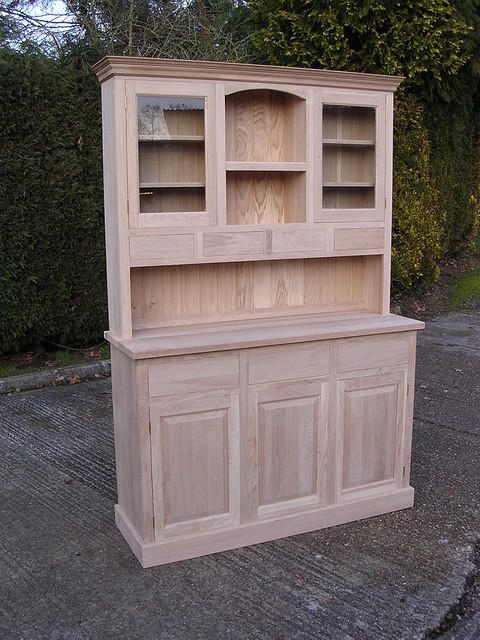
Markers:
{"x": 229, "y": 244}
{"x": 272, "y": 364}
{"x": 359, "y": 239}
{"x": 192, "y": 374}
{"x": 355, "y": 354}
{"x": 299, "y": 241}
{"x": 144, "y": 249}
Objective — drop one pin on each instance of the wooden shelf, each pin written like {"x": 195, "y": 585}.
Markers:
{"x": 348, "y": 143}
{"x": 348, "y": 185}
{"x": 171, "y": 185}
{"x": 220, "y": 336}
{"x": 265, "y": 166}
{"x": 172, "y": 138}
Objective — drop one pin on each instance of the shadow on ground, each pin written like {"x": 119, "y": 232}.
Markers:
{"x": 66, "y": 573}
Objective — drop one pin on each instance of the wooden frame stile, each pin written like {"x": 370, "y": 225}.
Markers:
{"x": 116, "y": 207}
{"x": 387, "y": 256}
{"x": 132, "y": 444}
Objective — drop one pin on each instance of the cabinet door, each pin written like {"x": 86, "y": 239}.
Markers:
{"x": 371, "y": 422}
{"x": 288, "y": 441}
{"x": 195, "y": 462}
{"x": 171, "y": 154}
{"x": 350, "y": 141}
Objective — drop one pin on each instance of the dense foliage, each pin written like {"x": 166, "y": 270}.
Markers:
{"x": 52, "y": 268}
{"x": 435, "y": 45}
{"x": 52, "y": 271}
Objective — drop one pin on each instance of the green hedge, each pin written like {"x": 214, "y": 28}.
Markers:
{"x": 52, "y": 266}
{"x": 436, "y": 45}
{"x": 418, "y": 220}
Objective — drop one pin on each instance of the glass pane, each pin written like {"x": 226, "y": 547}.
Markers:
{"x": 171, "y": 152}
{"x": 348, "y": 157}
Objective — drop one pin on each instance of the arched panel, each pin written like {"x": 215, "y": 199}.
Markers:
{"x": 265, "y": 125}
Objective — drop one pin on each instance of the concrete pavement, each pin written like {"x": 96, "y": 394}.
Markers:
{"x": 66, "y": 573}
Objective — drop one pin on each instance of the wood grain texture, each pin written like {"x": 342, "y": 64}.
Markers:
{"x": 288, "y": 425}
{"x": 351, "y": 239}
{"x": 299, "y": 240}
{"x": 193, "y": 374}
{"x": 208, "y": 542}
{"x": 115, "y": 199}
{"x": 188, "y": 293}
{"x": 269, "y": 330}
{"x": 195, "y": 462}
{"x": 287, "y": 447}
{"x": 171, "y": 162}
{"x": 371, "y": 423}
{"x": 206, "y": 71}
{"x": 265, "y": 126}
{"x": 358, "y": 354}
{"x": 145, "y": 248}
{"x": 345, "y": 122}
{"x": 132, "y": 441}
{"x": 226, "y": 244}
{"x": 265, "y": 197}
{"x": 272, "y": 364}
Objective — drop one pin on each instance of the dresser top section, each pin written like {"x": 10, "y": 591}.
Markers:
{"x": 160, "y": 68}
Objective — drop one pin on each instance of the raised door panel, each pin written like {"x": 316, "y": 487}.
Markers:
{"x": 370, "y": 433}
{"x": 195, "y": 463}
{"x": 288, "y": 423}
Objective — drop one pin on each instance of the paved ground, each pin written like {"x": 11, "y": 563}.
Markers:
{"x": 65, "y": 572}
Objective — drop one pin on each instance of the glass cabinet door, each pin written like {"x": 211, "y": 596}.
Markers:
{"x": 348, "y": 157}
{"x": 171, "y": 154}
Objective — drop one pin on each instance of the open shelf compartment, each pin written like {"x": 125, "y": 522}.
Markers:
{"x": 263, "y": 197}
{"x": 265, "y": 126}
{"x": 183, "y": 294}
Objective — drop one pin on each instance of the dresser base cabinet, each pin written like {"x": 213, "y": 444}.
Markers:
{"x": 228, "y": 448}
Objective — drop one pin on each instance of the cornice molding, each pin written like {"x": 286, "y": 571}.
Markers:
{"x": 112, "y": 66}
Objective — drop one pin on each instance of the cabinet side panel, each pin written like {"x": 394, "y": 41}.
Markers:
{"x": 115, "y": 198}
{"x": 132, "y": 442}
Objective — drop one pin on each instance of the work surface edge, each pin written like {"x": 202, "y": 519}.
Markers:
{"x": 223, "y": 336}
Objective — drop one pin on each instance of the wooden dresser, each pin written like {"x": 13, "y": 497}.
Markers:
{"x": 261, "y": 386}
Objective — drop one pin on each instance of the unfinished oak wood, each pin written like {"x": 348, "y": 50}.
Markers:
{"x": 196, "y": 293}
{"x": 371, "y": 424}
{"x": 265, "y": 126}
{"x": 265, "y": 197}
{"x": 240, "y": 334}
{"x": 290, "y": 428}
{"x": 261, "y": 387}
{"x": 194, "y": 463}
{"x": 373, "y": 352}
